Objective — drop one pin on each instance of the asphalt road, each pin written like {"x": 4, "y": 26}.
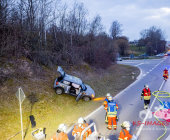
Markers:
{"x": 130, "y": 104}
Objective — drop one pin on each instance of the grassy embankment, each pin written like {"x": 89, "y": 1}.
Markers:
{"x": 50, "y": 109}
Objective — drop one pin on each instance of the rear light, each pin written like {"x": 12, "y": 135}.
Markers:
{"x": 56, "y": 83}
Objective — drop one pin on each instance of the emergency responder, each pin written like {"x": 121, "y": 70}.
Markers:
{"x": 165, "y": 74}
{"x": 146, "y": 93}
{"x": 105, "y": 106}
{"x": 61, "y": 133}
{"x": 79, "y": 127}
{"x": 112, "y": 113}
{"x": 124, "y": 133}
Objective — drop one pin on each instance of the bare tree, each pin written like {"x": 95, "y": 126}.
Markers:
{"x": 115, "y": 30}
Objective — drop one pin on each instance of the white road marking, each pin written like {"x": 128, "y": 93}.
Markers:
{"x": 150, "y": 70}
{"x": 139, "y": 64}
{"x": 144, "y": 74}
{"x": 140, "y": 129}
{"x": 144, "y": 120}
{"x": 147, "y": 72}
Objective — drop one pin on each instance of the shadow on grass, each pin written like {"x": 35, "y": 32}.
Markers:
{"x": 32, "y": 98}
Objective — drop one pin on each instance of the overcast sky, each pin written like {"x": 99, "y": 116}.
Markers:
{"x": 134, "y": 15}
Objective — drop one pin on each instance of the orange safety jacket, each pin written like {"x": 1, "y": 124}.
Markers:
{"x": 124, "y": 135}
{"x": 105, "y": 104}
{"x": 60, "y": 136}
{"x": 146, "y": 93}
{"x": 78, "y": 130}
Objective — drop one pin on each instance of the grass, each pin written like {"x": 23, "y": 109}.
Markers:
{"x": 50, "y": 109}
{"x": 135, "y": 50}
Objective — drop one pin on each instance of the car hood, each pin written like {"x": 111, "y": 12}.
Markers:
{"x": 89, "y": 90}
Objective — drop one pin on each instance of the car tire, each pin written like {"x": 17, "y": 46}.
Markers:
{"x": 59, "y": 91}
{"x": 86, "y": 98}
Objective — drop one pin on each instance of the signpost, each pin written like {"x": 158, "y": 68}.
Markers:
{"x": 21, "y": 96}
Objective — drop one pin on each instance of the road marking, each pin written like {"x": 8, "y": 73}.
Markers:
{"x": 144, "y": 120}
{"x": 139, "y": 64}
{"x": 140, "y": 129}
{"x": 150, "y": 70}
{"x": 144, "y": 74}
{"x": 147, "y": 72}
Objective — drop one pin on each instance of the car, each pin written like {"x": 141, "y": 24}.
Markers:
{"x": 160, "y": 55}
{"x": 118, "y": 59}
{"x": 168, "y": 53}
{"x": 143, "y": 55}
{"x": 70, "y": 85}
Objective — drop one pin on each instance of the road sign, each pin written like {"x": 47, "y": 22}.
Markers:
{"x": 20, "y": 95}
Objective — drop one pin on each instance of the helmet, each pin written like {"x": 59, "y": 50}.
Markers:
{"x": 110, "y": 98}
{"x": 166, "y": 68}
{"x": 108, "y": 94}
{"x": 62, "y": 127}
{"x": 126, "y": 125}
{"x": 146, "y": 86}
{"x": 81, "y": 120}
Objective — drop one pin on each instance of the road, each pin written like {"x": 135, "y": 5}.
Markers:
{"x": 130, "y": 104}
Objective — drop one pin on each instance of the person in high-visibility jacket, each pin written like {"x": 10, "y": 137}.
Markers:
{"x": 79, "y": 127}
{"x": 165, "y": 74}
{"x": 146, "y": 94}
{"x": 105, "y": 105}
{"x": 124, "y": 133}
{"x": 112, "y": 108}
{"x": 61, "y": 133}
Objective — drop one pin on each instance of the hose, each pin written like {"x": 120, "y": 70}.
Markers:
{"x": 157, "y": 95}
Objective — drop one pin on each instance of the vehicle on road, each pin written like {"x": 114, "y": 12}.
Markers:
{"x": 160, "y": 55}
{"x": 118, "y": 59}
{"x": 73, "y": 86}
{"x": 168, "y": 53}
{"x": 143, "y": 55}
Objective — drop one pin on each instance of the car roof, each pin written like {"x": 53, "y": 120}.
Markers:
{"x": 72, "y": 79}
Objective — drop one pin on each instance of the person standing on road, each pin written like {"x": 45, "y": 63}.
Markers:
{"x": 61, "y": 133}
{"x": 165, "y": 74}
{"x": 105, "y": 106}
{"x": 146, "y": 93}
{"x": 79, "y": 127}
{"x": 112, "y": 108}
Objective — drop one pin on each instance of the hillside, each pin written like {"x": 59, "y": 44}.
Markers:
{"x": 41, "y": 101}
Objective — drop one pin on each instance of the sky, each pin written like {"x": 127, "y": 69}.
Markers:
{"x": 134, "y": 15}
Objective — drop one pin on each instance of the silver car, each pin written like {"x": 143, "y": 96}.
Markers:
{"x": 73, "y": 86}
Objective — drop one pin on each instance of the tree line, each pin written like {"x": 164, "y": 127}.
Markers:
{"x": 47, "y": 32}
{"x": 153, "y": 39}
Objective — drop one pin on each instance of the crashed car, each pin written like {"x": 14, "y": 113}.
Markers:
{"x": 70, "y": 85}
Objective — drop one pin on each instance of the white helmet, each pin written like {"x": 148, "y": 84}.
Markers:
{"x": 127, "y": 125}
{"x": 108, "y": 94}
{"x": 110, "y": 98}
{"x": 81, "y": 120}
{"x": 146, "y": 86}
{"x": 166, "y": 68}
{"x": 62, "y": 128}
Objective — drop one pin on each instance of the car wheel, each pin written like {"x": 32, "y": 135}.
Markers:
{"x": 85, "y": 98}
{"x": 59, "y": 90}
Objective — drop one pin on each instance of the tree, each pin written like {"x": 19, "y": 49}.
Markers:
{"x": 155, "y": 37}
{"x": 123, "y": 44}
{"x": 115, "y": 30}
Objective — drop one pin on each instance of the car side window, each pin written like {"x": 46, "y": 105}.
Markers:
{"x": 66, "y": 82}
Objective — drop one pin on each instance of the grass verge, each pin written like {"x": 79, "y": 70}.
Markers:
{"x": 50, "y": 109}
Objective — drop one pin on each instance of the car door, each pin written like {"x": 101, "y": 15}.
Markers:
{"x": 61, "y": 71}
